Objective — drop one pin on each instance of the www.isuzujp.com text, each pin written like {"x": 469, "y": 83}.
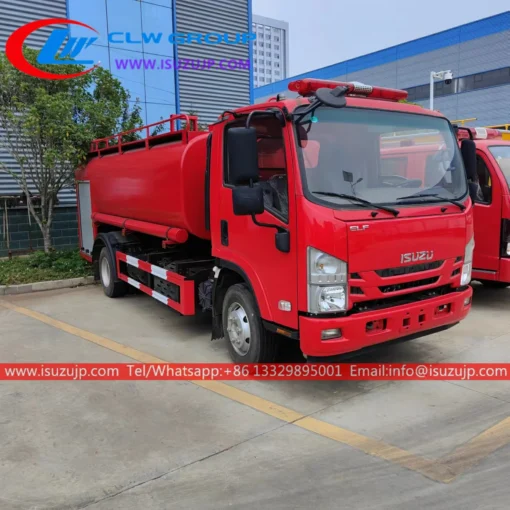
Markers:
{"x": 180, "y": 64}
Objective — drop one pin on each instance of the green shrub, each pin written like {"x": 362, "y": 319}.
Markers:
{"x": 40, "y": 266}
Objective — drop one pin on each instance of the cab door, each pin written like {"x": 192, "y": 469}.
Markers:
{"x": 251, "y": 247}
{"x": 487, "y": 218}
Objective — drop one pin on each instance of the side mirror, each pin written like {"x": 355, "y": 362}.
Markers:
{"x": 248, "y": 200}
{"x": 468, "y": 151}
{"x": 334, "y": 98}
{"x": 243, "y": 164}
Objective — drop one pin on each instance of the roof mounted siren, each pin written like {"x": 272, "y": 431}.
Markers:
{"x": 310, "y": 87}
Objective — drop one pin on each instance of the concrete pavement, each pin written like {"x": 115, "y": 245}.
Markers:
{"x": 160, "y": 445}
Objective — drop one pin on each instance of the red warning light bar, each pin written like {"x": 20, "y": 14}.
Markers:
{"x": 480, "y": 133}
{"x": 308, "y": 87}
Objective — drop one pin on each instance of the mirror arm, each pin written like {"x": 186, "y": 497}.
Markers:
{"x": 309, "y": 109}
{"x": 267, "y": 225}
{"x": 458, "y": 128}
{"x": 276, "y": 113}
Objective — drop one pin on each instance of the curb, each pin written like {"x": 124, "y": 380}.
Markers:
{"x": 7, "y": 290}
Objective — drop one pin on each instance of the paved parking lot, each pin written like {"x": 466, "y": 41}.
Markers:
{"x": 160, "y": 445}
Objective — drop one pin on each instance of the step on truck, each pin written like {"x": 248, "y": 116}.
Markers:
{"x": 287, "y": 221}
{"x": 491, "y": 259}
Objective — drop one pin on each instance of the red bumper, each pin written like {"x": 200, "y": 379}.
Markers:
{"x": 504, "y": 270}
{"x": 358, "y": 330}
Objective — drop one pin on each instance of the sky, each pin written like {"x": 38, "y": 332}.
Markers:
{"x": 324, "y": 32}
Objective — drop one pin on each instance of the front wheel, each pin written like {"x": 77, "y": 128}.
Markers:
{"x": 247, "y": 340}
{"x": 107, "y": 275}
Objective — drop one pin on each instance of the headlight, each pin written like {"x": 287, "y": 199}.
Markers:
{"x": 327, "y": 283}
{"x": 468, "y": 262}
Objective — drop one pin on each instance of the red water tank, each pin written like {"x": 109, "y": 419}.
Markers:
{"x": 162, "y": 184}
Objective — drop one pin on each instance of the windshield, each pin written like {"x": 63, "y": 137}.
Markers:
{"x": 501, "y": 154}
{"x": 379, "y": 156}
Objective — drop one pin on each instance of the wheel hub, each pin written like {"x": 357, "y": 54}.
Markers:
{"x": 238, "y": 328}
{"x": 105, "y": 272}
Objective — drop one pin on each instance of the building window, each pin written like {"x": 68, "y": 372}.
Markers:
{"x": 254, "y": 69}
{"x": 276, "y": 38}
{"x": 277, "y": 73}
{"x": 261, "y": 61}
{"x": 268, "y": 36}
{"x": 268, "y": 45}
{"x": 261, "y": 43}
{"x": 276, "y": 46}
{"x": 262, "y": 79}
{"x": 268, "y": 53}
{"x": 463, "y": 84}
{"x": 261, "y": 52}
{"x": 277, "y": 64}
{"x": 276, "y": 55}
{"x": 268, "y": 71}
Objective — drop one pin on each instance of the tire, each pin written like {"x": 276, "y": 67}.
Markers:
{"x": 107, "y": 275}
{"x": 494, "y": 285}
{"x": 247, "y": 340}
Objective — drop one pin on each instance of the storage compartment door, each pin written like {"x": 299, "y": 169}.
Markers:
{"x": 87, "y": 234}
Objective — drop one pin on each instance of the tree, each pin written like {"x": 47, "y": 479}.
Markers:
{"x": 47, "y": 127}
{"x": 200, "y": 127}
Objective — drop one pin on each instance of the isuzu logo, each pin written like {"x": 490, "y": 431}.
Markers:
{"x": 416, "y": 256}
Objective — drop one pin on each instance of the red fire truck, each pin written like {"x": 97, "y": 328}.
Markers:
{"x": 491, "y": 260}
{"x": 287, "y": 220}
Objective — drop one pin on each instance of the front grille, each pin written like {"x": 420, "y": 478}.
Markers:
{"x": 357, "y": 290}
{"x": 379, "y": 304}
{"x": 399, "y": 271}
{"x": 408, "y": 285}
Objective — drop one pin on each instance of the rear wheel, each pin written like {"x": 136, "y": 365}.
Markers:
{"x": 495, "y": 285}
{"x": 107, "y": 274}
{"x": 247, "y": 340}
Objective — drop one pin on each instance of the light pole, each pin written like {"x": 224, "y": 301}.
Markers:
{"x": 447, "y": 76}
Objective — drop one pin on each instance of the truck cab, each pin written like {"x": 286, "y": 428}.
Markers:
{"x": 491, "y": 260}
{"x": 343, "y": 246}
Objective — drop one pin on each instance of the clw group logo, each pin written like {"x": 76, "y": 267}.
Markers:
{"x": 62, "y": 49}
{"x": 50, "y": 53}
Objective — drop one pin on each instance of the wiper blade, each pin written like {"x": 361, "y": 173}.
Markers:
{"x": 361, "y": 201}
{"x": 438, "y": 198}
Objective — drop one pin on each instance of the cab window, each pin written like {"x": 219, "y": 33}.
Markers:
{"x": 485, "y": 181}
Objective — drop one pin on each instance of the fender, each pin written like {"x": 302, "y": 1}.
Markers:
{"x": 111, "y": 240}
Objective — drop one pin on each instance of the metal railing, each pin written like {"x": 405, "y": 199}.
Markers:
{"x": 101, "y": 144}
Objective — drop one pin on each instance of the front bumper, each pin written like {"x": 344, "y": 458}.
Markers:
{"x": 396, "y": 322}
{"x": 504, "y": 270}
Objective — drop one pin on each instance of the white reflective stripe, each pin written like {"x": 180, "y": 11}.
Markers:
{"x": 131, "y": 261}
{"x": 160, "y": 297}
{"x": 158, "y": 271}
{"x": 134, "y": 283}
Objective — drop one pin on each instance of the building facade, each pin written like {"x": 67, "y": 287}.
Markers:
{"x": 270, "y": 50}
{"x": 477, "y": 53}
{"x": 137, "y": 61}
